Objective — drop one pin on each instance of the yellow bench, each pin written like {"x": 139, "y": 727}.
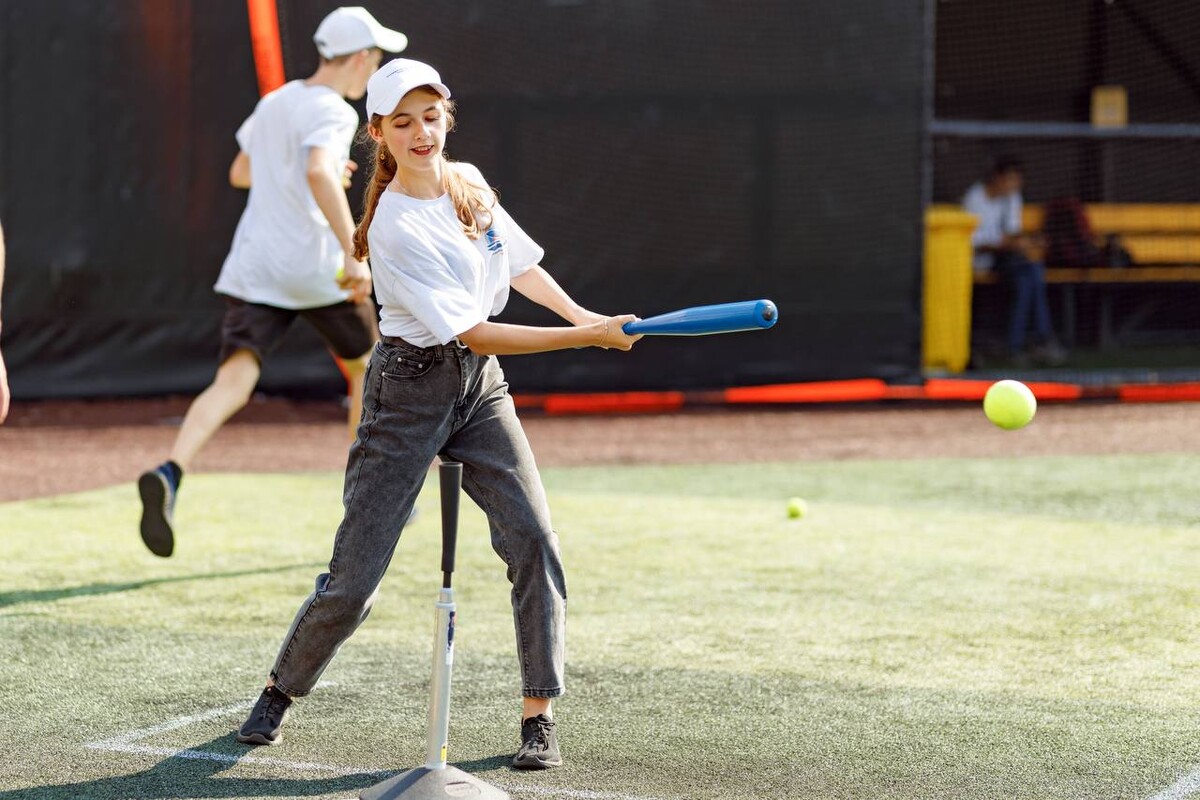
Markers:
{"x": 1163, "y": 239}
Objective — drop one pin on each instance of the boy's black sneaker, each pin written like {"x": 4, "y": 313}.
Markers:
{"x": 266, "y": 718}
{"x": 157, "y": 488}
{"x": 539, "y": 745}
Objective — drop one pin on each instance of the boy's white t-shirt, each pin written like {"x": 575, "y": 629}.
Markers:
{"x": 998, "y": 217}
{"x": 432, "y": 281}
{"x": 284, "y": 252}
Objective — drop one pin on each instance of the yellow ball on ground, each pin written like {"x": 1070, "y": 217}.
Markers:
{"x": 1009, "y": 404}
{"x": 796, "y": 508}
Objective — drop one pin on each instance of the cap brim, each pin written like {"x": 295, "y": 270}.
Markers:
{"x": 387, "y": 105}
{"x": 391, "y": 41}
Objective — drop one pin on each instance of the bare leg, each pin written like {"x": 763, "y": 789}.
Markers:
{"x": 355, "y": 368}
{"x": 532, "y": 706}
{"x": 228, "y": 393}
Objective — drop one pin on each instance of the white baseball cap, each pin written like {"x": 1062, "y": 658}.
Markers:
{"x": 387, "y": 87}
{"x": 352, "y": 28}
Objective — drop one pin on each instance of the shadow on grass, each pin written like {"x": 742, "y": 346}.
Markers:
{"x": 50, "y": 595}
{"x": 191, "y": 775}
{"x": 486, "y": 764}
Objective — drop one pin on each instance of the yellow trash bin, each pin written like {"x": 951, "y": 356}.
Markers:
{"x": 946, "y": 302}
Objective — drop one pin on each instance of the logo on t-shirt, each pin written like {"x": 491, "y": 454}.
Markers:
{"x": 494, "y": 243}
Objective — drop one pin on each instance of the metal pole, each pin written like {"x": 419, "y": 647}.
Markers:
{"x": 437, "y": 780}
{"x": 450, "y": 480}
{"x": 443, "y": 663}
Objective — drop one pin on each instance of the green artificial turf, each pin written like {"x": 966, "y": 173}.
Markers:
{"x": 975, "y": 628}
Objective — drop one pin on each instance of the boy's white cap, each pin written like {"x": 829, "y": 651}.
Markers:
{"x": 387, "y": 87}
{"x": 352, "y": 28}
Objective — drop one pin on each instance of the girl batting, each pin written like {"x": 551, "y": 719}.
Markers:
{"x": 444, "y": 253}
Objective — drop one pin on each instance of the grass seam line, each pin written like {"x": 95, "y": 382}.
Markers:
{"x": 1186, "y": 786}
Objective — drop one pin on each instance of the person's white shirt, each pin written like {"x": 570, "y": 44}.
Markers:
{"x": 432, "y": 281}
{"x": 284, "y": 252}
{"x": 998, "y": 217}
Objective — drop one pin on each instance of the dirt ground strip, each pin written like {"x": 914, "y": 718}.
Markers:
{"x": 54, "y": 447}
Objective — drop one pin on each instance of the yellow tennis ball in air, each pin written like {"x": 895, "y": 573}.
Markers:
{"x": 796, "y": 508}
{"x": 1009, "y": 404}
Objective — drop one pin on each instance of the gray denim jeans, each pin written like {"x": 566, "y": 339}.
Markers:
{"x": 419, "y": 403}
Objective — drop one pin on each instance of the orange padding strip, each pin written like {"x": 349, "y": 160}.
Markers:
{"x": 947, "y": 389}
{"x": 905, "y": 392}
{"x": 852, "y": 391}
{"x": 613, "y": 403}
{"x": 817, "y": 392}
{"x": 1160, "y": 393}
{"x": 264, "y": 41}
{"x": 535, "y": 401}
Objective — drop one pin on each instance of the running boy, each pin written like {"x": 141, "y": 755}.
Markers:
{"x": 293, "y": 251}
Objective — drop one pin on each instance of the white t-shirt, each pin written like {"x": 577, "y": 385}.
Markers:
{"x": 998, "y": 216}
{"x": 432, "y": 281}
{"x": 284, "y": 252}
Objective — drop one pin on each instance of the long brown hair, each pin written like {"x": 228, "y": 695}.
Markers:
{"x": 468, "y": 198}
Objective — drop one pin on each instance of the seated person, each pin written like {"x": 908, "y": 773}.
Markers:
{"x": 1001, "y": 246}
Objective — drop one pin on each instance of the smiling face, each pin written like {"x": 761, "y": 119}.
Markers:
{"x": 415, "y": 132}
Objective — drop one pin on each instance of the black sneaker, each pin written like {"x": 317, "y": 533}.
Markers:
{"x": 266, "y": 718}
{"x": 539, "y": 745}
{"x": 158, "y": 505}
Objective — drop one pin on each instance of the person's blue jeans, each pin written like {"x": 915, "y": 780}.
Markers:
{"x": 419, "y": 403}
{"x": 1027, "y": 282}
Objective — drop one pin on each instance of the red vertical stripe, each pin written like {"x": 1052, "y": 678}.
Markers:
{"x": 268, "y": 63}
{"x": 264, "y": 40}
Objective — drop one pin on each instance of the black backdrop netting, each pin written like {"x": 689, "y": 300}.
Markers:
{"x": 1028, "y": 61}
{"x": 665, "y": 154}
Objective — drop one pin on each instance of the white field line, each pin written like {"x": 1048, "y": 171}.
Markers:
{"x": 1186, "y": 786}
{"x": 203, "y": 755}
{"x": 182, "y": 722}
{"x": 127, "y": 743}
{"x": 575, "y": 794}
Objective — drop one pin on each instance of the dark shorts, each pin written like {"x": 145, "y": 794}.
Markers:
{"x": 350, "y": 329}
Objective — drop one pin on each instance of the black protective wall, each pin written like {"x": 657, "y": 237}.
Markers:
{"x": 664, "y": 153}
{"x": 1000, "y": 61}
